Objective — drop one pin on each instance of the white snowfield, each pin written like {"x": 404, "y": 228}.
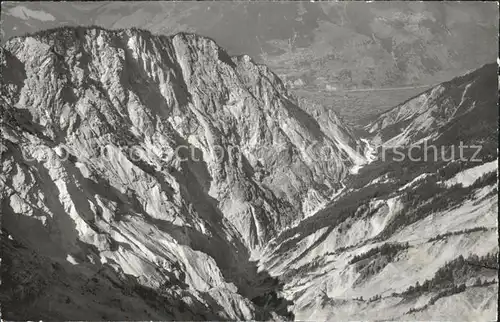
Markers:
{"x": 467, "y": 177}
{"x": 414, "y": 181}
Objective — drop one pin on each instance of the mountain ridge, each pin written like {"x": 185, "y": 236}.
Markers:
{"x": 336, "y": 31}
{"x": 319, "y": 49}
{"x": 97, "y": 131}
{"x": 435, "y": 107}
{"x": 92, "y": 124}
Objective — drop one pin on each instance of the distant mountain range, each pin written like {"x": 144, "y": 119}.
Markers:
{"x": 322, "y": 45}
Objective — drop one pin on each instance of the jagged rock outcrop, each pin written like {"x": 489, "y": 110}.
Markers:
{"x": 160, "y": 157}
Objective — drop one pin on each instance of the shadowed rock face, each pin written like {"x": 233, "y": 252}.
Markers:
{"x": 94, "y": 123}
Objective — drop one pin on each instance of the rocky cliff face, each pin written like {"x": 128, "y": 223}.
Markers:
{"x": 439, "y": 110}
{"x": 153, "y": 177}
{"x": 156, "y": 164}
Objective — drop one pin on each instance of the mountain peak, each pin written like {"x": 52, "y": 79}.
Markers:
{"x": 130, "y": 86}
{"x": 157, "y": 176}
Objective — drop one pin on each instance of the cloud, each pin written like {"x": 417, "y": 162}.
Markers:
{"x": 25, "y": 13}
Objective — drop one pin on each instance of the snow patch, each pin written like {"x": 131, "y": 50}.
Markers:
{"x": 381, "y": 179}
{"x": 411, "y": 183}
{"x": 467, "y": 177}
{"x": 71, "y": 259}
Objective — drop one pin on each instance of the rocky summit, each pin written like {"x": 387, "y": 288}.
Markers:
{"x": 160, "y": 157}
{"x": 151, "y": 177}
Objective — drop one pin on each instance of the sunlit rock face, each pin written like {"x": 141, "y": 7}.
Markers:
{"x": 156, "y": 166}
{"x": 435, "y": 112}
{"x": 153, "y": 177}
